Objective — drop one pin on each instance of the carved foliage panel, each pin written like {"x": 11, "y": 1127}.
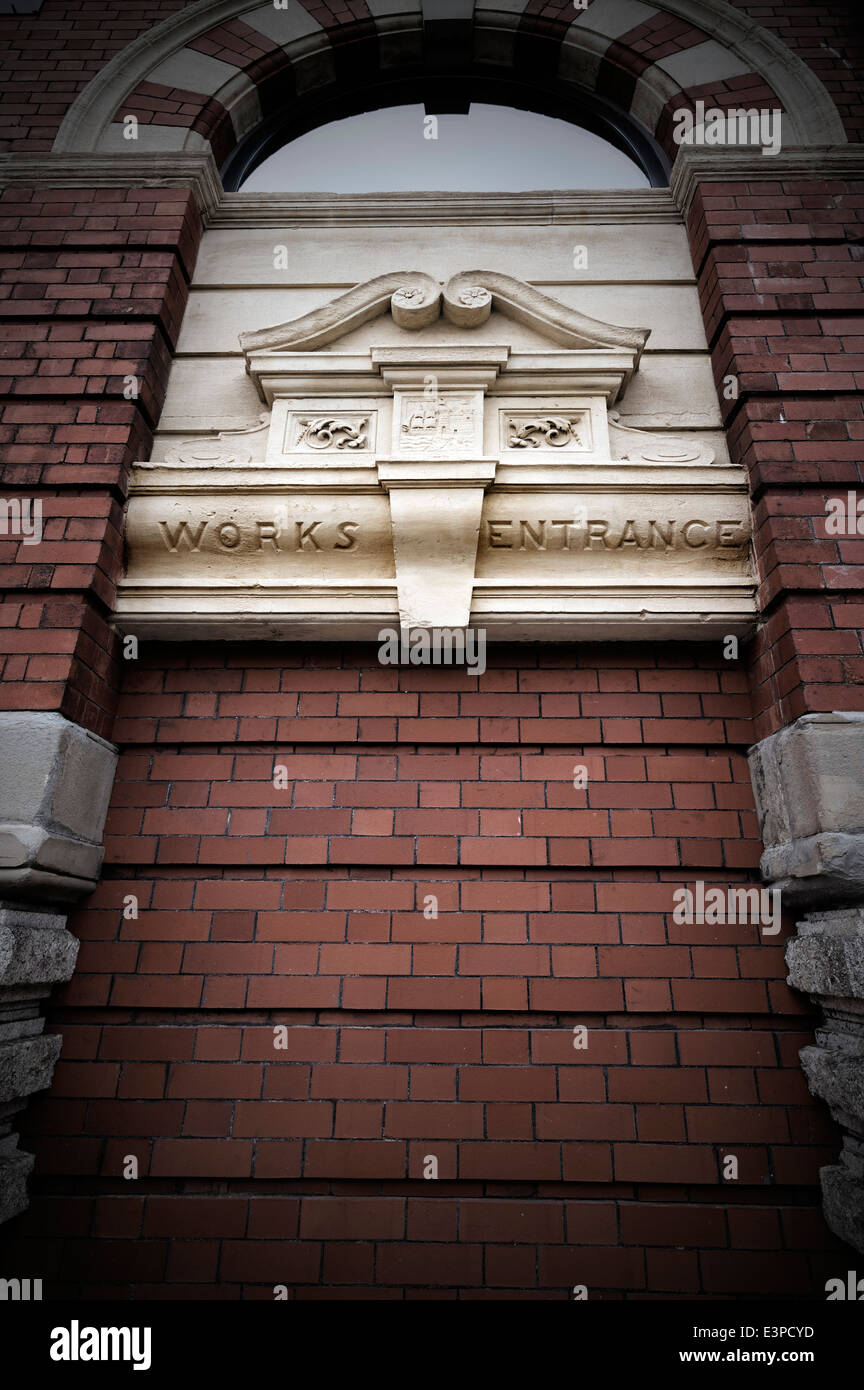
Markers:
{"x": 324, "y": 431}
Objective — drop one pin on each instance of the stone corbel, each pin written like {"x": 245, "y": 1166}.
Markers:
{"x": 807, "y": 781}
{"x": 436, "y": 485}
{"x": 435, "y": 508}
{"x": 54, "y": 792}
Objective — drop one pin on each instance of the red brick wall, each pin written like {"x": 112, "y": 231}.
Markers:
{"x": 411, "y": 1036}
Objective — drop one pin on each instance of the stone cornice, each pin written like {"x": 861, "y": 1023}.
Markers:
{"x": 284, "y": 210}
{"x": 174, "y": 170}
{"x": 535, "y": 208}
{"x": 695, "y": 165}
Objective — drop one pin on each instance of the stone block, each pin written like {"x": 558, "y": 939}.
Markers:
{"x": 55, "y": 785}
{"x": 807, "y": 781}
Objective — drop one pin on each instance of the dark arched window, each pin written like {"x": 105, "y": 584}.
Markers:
{"x": 492, "y": 148}
{"x": 492, "y": 138}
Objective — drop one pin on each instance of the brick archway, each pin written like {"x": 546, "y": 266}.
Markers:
{"x": 209, "y": 77}
{"x": 445, "y": 92}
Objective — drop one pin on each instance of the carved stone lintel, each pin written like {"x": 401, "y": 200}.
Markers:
{"x": 327, "y": 532}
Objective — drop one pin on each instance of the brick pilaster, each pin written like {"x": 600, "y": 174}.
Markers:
{"x": 779, "y": 268}
{"x": 93, "y": 285}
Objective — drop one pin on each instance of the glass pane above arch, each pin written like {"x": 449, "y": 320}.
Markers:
{"x": 401, "y": 148}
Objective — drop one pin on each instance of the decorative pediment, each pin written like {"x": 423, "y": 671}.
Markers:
{"x": 415, "y": 300}
{"x": 601, "y": 356}
{"x": 465, "y": 472}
